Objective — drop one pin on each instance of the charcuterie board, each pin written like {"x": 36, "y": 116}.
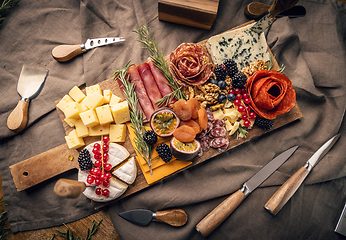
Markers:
{"x": 67, "y": 159}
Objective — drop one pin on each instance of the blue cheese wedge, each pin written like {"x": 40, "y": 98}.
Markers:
{"x": 242, "y": 45}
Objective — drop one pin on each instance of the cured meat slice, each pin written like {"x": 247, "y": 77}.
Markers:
{"x": 210, "y": 114}
{"x": 218, "y": 123}
{"x": 218, "y": 132}
{"x": 219, "y": 142}
{"x": 160, "y": 80}
{"x": 271, "y": 93}
{"x": 149, "y": 83}
{"x": 190, "y": 65}
{"x": 142, "y": 95}
{"x": 205, "y": 143}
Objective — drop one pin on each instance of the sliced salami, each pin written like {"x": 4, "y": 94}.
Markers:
{"x": 218, "y": 132}
{"x": 218, "y": 123}
{"x": 224, "y": 147}
{"x": 219, "y": 142}
{"x": 205, "y": 143}
{"x": 210, "y": 114}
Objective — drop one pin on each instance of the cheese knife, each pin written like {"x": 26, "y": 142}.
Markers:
{"x": 286, "y": 191}
{"x": 63, "y": 53}
{"x": 142, "y": 217}
{"x": 210, "y": 222}
{"x": 30, "y": 84}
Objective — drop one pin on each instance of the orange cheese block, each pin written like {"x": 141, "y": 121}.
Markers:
{"x": 160, "y": 169}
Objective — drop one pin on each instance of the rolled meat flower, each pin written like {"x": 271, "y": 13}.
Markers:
{"x": 271, "y": 93}
{"x": 189, "y": 65}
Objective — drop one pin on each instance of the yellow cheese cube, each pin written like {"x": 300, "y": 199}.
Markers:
{"x": 104, "y": 114}
{"x": 94, "y": 100}
{"x": 82, "y": 130}
{"x": 120, "y": 112}
{"x": 228, "y": 125}
{"x": 107, "y": 94}
{"x": 89, "y": 118}
{"x": 99, "y": 130}
{"x": 114, "y": 100}
{"x": 72, "y": 110}
{"x": 92, "y": 89}
{"x": 232, "y": 115}
{"x": 117, "y": 132}
{"x": 70, "y": 121}
{"x": 65, "y": 100}
{"x": 218, "y": 114}
{"x": 76, "y": 94}
{"x": 73, "y": 141}
{"x": 84, "y": 107}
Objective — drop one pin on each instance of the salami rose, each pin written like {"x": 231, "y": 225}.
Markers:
{"x": 271, "y": 93}
{"x": 189, "y": 65}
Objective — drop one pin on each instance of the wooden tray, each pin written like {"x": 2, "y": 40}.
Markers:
{"x": 25, "y": 173}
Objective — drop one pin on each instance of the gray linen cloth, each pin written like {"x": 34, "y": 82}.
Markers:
{"x": 313, "y": 50}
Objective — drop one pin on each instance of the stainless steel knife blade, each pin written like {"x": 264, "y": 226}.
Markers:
{"x": 286, "y": 191}
{"x": 63, "y": 53}
{"x": 142, "y": 217}
{"x": 224, "y": 209}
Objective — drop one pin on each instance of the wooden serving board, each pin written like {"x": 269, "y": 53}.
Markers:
{"x": 25, "y": 174}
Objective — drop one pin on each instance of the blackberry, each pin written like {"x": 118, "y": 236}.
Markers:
{"x": 84, "y": 160}
{"x": 220, "y": 72}
{"x": 263, "y": 123}
{"x": 150, "y": 137}
{"x": 239, "y": 80}
{"x": 164, "y": 152}
{"x": 231, "y": 67}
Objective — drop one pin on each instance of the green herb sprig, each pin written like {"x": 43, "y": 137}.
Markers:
{"x": 159, "y": 61}
{"x": 5, "y": 7}
{"x": 271, "y": 62}
{"x": 68, "y": 234}
{"x": 136, "y": 116}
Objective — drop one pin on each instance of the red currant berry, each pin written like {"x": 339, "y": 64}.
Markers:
{"x": 103, "y": 177}
{"x": 237, "y": 102}
{"x": 231, "y": 91}
{"x": 241, "y": 108}
{"x": 108, "y": 175}
{"x": 97, "y": 171}
{"x": 245, "y": 95}
{"x": 98, "y": 181}
{"x": 98, "y": 191}
{"x": 98, "y": 156}
{"x": 105, "y": 148}
{"x": 248, "y": 109}
{"x": 246, "y": 100}
{"x": 252, "y": 115}
{"x": 237, "y": 91}
{"x": 108, "y": 167}
{"x": 243, "y": 90}
{"x": 244, "y": 117}
{"x": 105, "y": 183}
{"x": 105, "y": 139}
{"x": 96, "y": 151}
{"x": 90, "y": 179}
{"x": 105, "y": 192}
{"x": 105, "y": 157}
{"x": 239, "y": 96}
{"x": 247, "y": 123}
{"x": 97, "y": 146}
{"x": 98, "y": 163}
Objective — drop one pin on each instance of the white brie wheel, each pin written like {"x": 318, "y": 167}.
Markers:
{"x": 121, "y": 176}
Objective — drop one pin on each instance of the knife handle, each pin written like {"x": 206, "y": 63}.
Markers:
{"x": 220, "y": 213}
{"x": 63, "y": 53}
{"x": 286, "y": 191}
{"x": 18, "y": 118}
{"x": 174, "y": 217}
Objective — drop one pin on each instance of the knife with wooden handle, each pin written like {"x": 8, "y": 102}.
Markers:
{"x": 286, "y": 191}
{"x": 210, "y": 222}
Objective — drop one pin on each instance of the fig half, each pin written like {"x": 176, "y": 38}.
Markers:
{"x": 164, "y": 121}
{"x": 184, "y": 151}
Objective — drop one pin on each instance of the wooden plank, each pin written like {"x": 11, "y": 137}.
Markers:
{"x": 195, "y": 13}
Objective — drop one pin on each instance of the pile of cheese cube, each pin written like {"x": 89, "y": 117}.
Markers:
{"x": 95, "y": 113}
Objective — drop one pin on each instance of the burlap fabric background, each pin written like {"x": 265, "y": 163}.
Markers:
{"x": 313, "y": 50}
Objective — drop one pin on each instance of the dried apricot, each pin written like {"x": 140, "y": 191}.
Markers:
{"x": 194, "y": 104}
{"x": 182, "y": 109}
{"x": 184, "y": 133}
{"x": 203, "y": 118}
{"x": 193, "y": 124}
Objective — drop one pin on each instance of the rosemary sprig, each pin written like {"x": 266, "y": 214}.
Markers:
{"x": 241, "y": 131}
{"x": 136, "y": 116}
{"x": 68, "y": 234}
{"x": 159, "y": 61}
{"x": 271, "y": 62}
{"x": 5, "y": 7}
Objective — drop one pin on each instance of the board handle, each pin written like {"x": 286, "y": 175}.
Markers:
{"x": 63, "y": 53}
{"x": 18, "y": 118}
{"x": 68, "y": 188}
{"x": 280, "y": 6}
{"x": 210, "y": 222}
{"x": 286, "y": 191}
{"x": 173, "y": 217}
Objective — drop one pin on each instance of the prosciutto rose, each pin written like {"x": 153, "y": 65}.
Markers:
{"x": 189, "y": 65}
{"x": 271, "y": 93}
